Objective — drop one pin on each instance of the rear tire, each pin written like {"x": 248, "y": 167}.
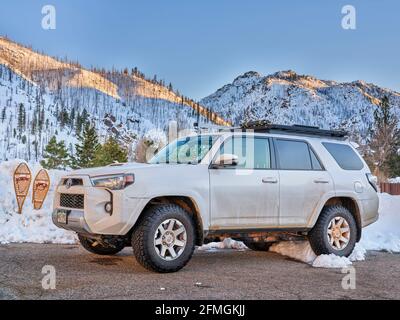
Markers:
{"x": 335, "y": 232}
{"x": 94, "y": 246}
{"x": 257, "y": 245}
{"x": 164, "y": 239}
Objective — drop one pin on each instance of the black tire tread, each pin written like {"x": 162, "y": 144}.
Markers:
{"x": 317, "y": 234}
{"x": 151, "y": 215}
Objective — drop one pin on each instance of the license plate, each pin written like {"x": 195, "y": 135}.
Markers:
{"x": 62, "y": 216}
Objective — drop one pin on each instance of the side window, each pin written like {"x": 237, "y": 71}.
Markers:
{"x": 344, "y": 155}
{"x": 262, "y": 156}
{"x": 294, "y": 155}
{"x": 253, "y": 152}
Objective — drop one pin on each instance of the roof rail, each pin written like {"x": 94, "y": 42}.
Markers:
{"x": 263, "y": 126}
{"x": 212, "y": 127}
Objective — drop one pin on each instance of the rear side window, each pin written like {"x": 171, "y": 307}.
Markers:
{"x": 344, "y": 155}
{"x": 293, "y": 155}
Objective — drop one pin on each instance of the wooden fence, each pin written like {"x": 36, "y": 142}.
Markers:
{"x": 391, "y": 188}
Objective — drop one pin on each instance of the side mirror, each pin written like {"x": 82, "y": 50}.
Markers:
{"x": 226, "y": 160}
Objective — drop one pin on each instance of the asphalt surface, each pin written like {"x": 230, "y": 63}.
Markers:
{"x": 226, "y": 274}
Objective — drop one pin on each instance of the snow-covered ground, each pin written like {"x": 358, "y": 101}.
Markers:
{"x": 32, "y": 226}
{"x": 37, "y": 227}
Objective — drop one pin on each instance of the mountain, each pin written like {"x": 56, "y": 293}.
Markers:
{"x": 288, "y": 98}
{"x": 41, "y": 96}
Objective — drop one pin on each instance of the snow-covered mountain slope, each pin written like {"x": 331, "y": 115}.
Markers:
{"x": 41, "y": 96}
{"x": 288, "y": 98}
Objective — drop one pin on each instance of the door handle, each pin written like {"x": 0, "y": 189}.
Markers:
{"x": 269, "y": 180}
{"x": 321, "y": 181}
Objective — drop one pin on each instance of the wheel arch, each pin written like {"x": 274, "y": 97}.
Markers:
{"x": 350, "y": 204}
{"x": 186, "y": 203}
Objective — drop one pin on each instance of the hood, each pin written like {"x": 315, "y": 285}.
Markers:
{"x": 111, "y": 169}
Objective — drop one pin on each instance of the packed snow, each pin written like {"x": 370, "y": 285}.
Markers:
{"x": 385, "y": 233}
{"x": 33, "y": 226}
{"x": 36, "y": 226}
{"x": 299, "y": 250}
{"x": 226, "y": 244}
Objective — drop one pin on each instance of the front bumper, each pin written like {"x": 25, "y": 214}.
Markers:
{"x": 75, "y": 221}
{"x": 91, "y": 216}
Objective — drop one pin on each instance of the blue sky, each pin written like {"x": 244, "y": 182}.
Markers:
{"x": 201, "y": 45}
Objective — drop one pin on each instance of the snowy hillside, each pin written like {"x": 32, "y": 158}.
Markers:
{"x": 288, "y": 98}
{"x": 41, "y": 96}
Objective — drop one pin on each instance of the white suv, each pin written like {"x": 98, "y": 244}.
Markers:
{"x": 264, "y": 184}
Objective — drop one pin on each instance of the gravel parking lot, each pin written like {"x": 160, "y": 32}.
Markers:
{"x": 224, "y": 274}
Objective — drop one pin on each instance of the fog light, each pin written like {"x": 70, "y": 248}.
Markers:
{"x": 108, "y": 207}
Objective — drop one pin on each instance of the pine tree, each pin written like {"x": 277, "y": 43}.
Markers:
{"x": 3, "y": 114}
{"x": 63, "y": 118}
{"x": 86, "y": 148}
{"x": 109, "y": 153}
{"x": 55, "y": 155}
{"x": 21, "y": 118}
{"x": 81, "y": 120}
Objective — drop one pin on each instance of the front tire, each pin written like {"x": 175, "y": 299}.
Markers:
{"x": 335, "y": 232}
{"x": 100, "y": 248}
{"x": 164, "y": 240}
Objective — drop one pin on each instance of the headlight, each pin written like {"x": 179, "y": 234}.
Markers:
{"x": 113, "y": 182}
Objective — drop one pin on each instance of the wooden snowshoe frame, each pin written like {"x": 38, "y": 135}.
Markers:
{"x": 41, "y": 186}
{"x": 22, "y": 182}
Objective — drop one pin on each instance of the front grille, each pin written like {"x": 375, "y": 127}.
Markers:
{"x": 75, "y": 201}
{"x": 72, "y": 182}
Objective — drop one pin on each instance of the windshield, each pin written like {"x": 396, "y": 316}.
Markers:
{"x": 188, "y": 150}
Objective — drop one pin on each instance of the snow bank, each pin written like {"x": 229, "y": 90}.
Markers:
{"x": 33, "y": 226}
{"x": 385, "y": 233}
{"x": 331, "y": 261}
{"x": 299, "y": 250}
{"x": 226, "y": 244}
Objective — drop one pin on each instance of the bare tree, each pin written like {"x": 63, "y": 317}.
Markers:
{"x": 384, "y": 141}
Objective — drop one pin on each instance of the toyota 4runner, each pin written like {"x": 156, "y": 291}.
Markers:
{"x": 271, "y": 183}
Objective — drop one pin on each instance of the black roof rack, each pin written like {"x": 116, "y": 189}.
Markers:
{"x": 263, "y": 126}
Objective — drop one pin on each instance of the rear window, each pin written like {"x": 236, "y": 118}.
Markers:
{"x": 344, "y": 155}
